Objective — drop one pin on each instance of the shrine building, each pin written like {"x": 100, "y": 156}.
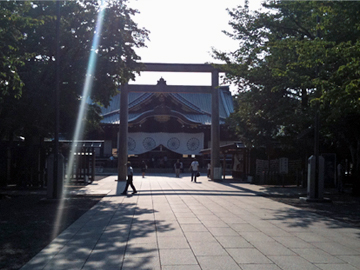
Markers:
{"x": 164, "y": 127}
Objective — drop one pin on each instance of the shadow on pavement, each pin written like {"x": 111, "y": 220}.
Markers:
{"x": 103, "y": 235}
{"x": 343, "y": 206}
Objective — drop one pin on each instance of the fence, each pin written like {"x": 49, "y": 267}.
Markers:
{"x": 84, "y": 165}
{"x": 268, "y": 172}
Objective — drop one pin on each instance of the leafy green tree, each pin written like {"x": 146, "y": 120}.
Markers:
{"x": 304, "y": 53}
{"x": 278, "y": 95}
{"x": 12, "y": 23}
{"x": 116, "y": 62}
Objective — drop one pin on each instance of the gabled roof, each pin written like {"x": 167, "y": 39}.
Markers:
{"x": 197, "y": 106}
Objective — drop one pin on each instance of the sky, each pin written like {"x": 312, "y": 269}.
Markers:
{"x": 184, "y": 31}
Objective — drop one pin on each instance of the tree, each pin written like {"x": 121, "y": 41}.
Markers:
{"x": 12, "y": 22}
{"x": 27, "y": 76}
{"x": 260, "y": 68}
{"x": 305, "y": 53}
{"x": 116, "y": 62}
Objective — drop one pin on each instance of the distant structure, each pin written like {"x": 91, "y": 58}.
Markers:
{"x": 164, "y": 127}
{"x": 154, "y": 110}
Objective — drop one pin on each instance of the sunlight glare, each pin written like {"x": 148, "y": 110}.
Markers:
{"x": 82, "y": 110}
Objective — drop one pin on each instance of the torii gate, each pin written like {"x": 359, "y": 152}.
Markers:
{"x": 163, "y": 88}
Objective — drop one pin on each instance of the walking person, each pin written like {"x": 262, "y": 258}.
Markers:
{"x": 177, "y": 167}
{"x": 143, "y": 168}
{"x": 194, "y": 168}
{"x": 129, "y": 181}
{"x": 209, "y": 170}
{"x": 181, "y": 167}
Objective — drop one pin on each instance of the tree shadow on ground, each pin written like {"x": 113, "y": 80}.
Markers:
{"x": 342, "y": 210}
{"x": 103, "y": 236}
{"x": 27, "y": 223}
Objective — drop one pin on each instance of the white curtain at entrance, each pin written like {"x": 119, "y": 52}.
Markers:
{"x": 182, "y": 143}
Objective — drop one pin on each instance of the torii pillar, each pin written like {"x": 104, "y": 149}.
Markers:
{"x": 159, "y": 67}
{"x": 123, "y": 133}
{"x": 215, "y": 127}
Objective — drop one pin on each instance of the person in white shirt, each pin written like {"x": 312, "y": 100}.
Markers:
{"x": 129, "y": 181}
{"x": 194, "y": 168}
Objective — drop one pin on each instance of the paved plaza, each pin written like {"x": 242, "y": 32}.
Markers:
{"x": 175, "y": 224}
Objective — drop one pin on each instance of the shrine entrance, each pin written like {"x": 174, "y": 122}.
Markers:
{"x": 162, "y": 87}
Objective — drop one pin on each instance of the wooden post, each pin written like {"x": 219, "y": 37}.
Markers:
{"x": 224, "y": 165}
{"x": 123, "y": 133}
{"x": 215, "y": 128}
{"x": 245, "y": 167}
{"x": 93, "y": 165}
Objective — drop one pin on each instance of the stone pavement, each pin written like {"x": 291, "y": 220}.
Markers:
{"x": 172, "y": 223}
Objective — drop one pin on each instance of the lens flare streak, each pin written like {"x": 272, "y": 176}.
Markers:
{"x": 82, "y": 110}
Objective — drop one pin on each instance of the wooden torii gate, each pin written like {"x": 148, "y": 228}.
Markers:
{"x": 163, "y": 88}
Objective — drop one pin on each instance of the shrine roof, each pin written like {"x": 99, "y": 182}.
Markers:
{"x": 198, "y": 104}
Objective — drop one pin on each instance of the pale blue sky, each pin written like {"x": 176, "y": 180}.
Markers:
{"x": 184, "y": 31}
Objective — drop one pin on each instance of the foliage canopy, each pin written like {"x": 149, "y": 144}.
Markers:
{"x": 294, "y": 58}
{"x": 28, "y": 55}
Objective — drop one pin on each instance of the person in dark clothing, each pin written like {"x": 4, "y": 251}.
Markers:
{"x": 209, "y": 170}
{"x": 143, "y": 168}
{"x": 177, "y": 167}
{"x": 129, "y": 182}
